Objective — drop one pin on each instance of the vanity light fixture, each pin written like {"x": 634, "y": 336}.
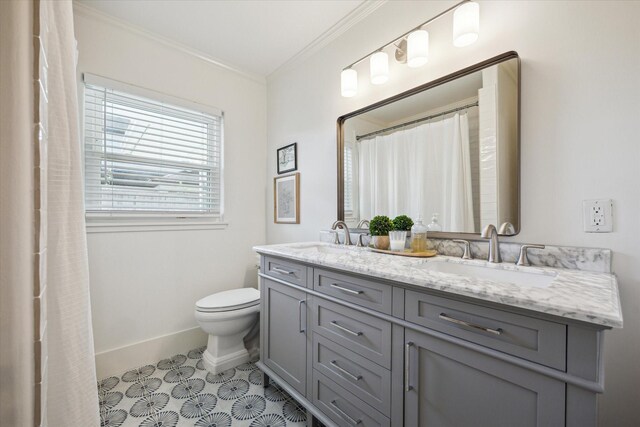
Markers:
{"x": 349, "y": 82}
{"x": 417, "y": 48}
{"x": 466, "y": 24}
{"x": 379, "y": 67}
{"x": 413, "y": 46}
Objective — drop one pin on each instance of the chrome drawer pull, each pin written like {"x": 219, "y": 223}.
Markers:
{"x": 344, "y": 414}
{"x": 301, "y": 329}
{"x": 407, "y": 360}
{"x": 341, "y": 288}
{"x": 443, "y": 316}
{"x": 357, "y": 334}
{"x": 344, "y": 371}
{"x": 281, "y": 271}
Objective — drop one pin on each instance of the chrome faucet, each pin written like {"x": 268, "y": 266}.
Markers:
{"x": 490, "y": 232}
{"x": 343, "y": 226}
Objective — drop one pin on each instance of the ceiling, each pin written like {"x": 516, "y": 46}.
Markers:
{"x": 446, "y": 94}
{"x": 255, "y": 36}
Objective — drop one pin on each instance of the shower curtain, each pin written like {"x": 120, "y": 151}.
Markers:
{"x": 71, "y": 393}
{"x": 419, "y": 171}
{"x": 47, "y": 361}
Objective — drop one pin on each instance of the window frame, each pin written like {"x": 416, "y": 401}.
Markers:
{"x": 114, "y": 221}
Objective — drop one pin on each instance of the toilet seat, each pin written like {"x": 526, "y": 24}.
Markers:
{"x": 235, "y": 299}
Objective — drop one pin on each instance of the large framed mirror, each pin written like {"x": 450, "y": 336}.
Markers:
{"x": 449, "y": 148}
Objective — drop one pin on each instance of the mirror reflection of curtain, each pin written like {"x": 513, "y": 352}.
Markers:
{"x": 419, "y": 171}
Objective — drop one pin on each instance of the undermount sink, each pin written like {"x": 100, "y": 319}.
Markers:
{"x": 520, "y": 278}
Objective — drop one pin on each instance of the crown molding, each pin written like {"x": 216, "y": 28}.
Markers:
{"x": 366, "y": 8}
{"x": 87, "y": 11}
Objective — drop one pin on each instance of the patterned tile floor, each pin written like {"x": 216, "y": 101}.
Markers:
{"x": 179, "y": 392}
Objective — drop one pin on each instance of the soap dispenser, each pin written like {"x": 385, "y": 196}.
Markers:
{"x": 434, "y": 225}
{"x": 418, "y": 236}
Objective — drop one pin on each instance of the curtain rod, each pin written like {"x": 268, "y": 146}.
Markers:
{"x": 453, "y": 110}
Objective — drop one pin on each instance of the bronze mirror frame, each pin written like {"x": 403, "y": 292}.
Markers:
{"x": 453, "y": 76}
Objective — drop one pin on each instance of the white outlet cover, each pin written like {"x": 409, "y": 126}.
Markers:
{"x": 597, "y": 215}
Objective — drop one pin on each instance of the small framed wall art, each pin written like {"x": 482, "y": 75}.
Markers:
{"x": 286, "y": 199}
{"x": 288, "y": 158}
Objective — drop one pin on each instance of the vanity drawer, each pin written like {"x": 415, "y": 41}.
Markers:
{"x": 368, "y": 294}
{"x": 537, "y": 340}
{"x": 342, "y": 407}
{"x": 356, "y": 374}
{"x": 362, "y": 333}
{"x": 286, "y": 270}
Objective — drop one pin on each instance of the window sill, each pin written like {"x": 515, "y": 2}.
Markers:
{"x": 127, "y": 225}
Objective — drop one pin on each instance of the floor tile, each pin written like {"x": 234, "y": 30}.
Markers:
{"x": 179, "y": 392}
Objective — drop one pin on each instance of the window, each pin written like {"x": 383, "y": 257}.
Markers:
{"x": 148, "y": 158}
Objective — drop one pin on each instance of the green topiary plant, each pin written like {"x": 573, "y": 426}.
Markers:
{"x": 402, "y": 223}
{"x": 380, "y": 225}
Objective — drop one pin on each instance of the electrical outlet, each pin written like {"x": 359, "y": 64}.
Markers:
{"x": 597, "y": 215}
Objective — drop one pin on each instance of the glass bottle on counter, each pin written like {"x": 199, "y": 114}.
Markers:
{"x": 434, "y": 225}
{"x": 418, "y": 236}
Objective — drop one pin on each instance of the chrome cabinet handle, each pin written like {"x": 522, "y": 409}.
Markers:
{"x": 344, "y": 371}
{"x": 301, "y": 329}
{"x": 407, "y": 360}
{"x": 444, "y": 316}
{"x": 281, "y": 271}
{"x": 357, "y": 334}
{"x": 343, "y": 289}
{"x": 344, "y": 414}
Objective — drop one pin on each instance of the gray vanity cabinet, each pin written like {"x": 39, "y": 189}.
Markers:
{"x": 284, "y": 337}
{"x": 359, "y": 350}
{"x": 447, "y": 385}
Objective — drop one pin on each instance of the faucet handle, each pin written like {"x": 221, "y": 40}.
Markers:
{"x": 336, "y": 239}
{"x": 467, "y": 248}
{"x": 523, "y": 259}
{"x": 360, "y": 243}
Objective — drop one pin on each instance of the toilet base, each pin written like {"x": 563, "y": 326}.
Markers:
{"x": 216, "y": 365}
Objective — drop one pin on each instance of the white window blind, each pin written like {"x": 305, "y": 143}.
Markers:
{"x": 145, "y": 156}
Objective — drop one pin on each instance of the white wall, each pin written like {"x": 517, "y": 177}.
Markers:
{"x": 144, "y": 284}
{"x": 580, "y": 105}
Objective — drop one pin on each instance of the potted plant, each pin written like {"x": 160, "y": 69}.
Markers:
{"x": 402, "y": 223}
{"x": 379, "y": 228}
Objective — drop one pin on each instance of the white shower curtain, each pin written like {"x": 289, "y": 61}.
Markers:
{"x": 71, "y": 396}
{"x": 419, "y": 171}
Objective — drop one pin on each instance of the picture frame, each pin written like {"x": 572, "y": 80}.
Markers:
{"x": 286, "y": 199}
{"x": 287, "y": 158}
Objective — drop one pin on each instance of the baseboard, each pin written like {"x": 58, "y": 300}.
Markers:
{"x": 119, "y": 360}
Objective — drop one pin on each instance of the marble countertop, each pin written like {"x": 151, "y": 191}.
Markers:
{"x": 573, "y": 294}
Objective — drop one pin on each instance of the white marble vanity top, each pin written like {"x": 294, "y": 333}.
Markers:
{"x": 586, "y": 296}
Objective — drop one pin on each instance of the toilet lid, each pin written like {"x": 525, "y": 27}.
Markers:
{"x": 229, "y": 300}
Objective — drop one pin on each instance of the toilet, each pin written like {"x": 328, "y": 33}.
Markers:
{"x": 227, "y": 317}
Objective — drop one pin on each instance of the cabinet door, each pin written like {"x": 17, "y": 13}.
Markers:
{"x": 450, "y": 386}
{"x": 284, "y": 337}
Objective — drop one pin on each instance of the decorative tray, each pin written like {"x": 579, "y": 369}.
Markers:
{"x": 407, "y": 252}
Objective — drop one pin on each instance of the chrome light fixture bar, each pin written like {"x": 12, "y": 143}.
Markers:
{"x": 412, "y": 47}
